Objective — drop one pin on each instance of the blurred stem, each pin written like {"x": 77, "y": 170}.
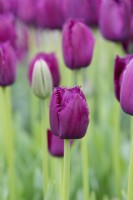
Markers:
{"x": 66, "y": 172}
{"x": 116, "y": 148}
{"x": 85, "y": 168}
{"x": 44, "y": 146}
{"x": 130, "y": 174}
{"x": 60, "y": 160}
{"x": 9, "y": 139}
{"x": 85, "y": 165}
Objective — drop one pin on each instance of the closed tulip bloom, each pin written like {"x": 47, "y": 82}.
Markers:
{"x": 126, "y": 93}
{"x": 69, "y": 114}
{"x": 78, "y": 44}
{"x": 7, "y": 31}
{"x": 55, "y": 145}
{"x": 52, "y": 62}
{"x": 87, "y": 10}
{"x": 8, "y": 66}
{"x": 50, "y": 14}
{"x": 41, "y": 79}
{"x": 114, "y": 21}
{"x": 119, "y": 68}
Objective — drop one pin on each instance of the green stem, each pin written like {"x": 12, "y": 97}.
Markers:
{"x": 85, "y": 168}
{"x": 66, "y": 172}
{"x": 9, "y": 139}
{"x": 44, "y": 148}
{"x": 116, "y": 149}
{"x": 60, "y": 177}
{"x": 130, "y": 174}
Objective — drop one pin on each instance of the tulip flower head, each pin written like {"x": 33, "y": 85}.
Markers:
{"x": 69, "y": 113}
{"x": 41, "y": 80}
{"x": 52, "y": 62}
{"x": 114, "y": 21}
{"x": 119, "y": 68}
{"x": 8, "y": 66}
{"x": 78, "y": 44}
{"x": 55, "y": 145}
{"x": 126, "y": 93}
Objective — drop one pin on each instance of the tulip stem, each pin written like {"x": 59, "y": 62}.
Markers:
{"x": 44, "y": 147}
{"x": 85, "y": 168}
{"x": 9, "y": 139}
{"x": 130, "y": 174}
{"x": 60, "y": 177}
{"x": 116, "y": 149}
{"x": 66, "y": 172}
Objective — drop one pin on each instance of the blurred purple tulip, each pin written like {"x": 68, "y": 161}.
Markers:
{"x": 55, "y": 145}
{"x": 87, "y": 10}
{"x": 4, "y": 6}
{"x": 26, "y": 10}
{"x": 51, "y": 60}
{"x": 20, "y": 42}
{"x": 78, "y": 44}
{"x": 7, "y": 65}
{"x": 126, "y": 93}
{"x": 69, "y": 114}
{"x": 7, "y": 30}
{"x": 50, "y": 14}
{"x": 119, "y": 68}
{"x": 114, "y": 21}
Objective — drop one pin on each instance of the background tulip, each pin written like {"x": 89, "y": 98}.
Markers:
{"x": 119, "y": 67}
{"x": 78, "y": 44}
{"x": 114, "y": 21}
{"x": 7, "y": 31}
{"x": 51, "y": 60}
{"x": 126, "y": 94}
{"x": 69, "y": 114}
{"x": 41, "y": 79}
{"x": 7, "y": 65}
{"x": 55, "y": 145}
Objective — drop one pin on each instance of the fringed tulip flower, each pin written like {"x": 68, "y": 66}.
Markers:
{"x": 7, "y": 32}
{"x": 52, "y": 62}
{"x": 119, "y": 67}
{"x": 69, "y": 114}
{"x": 126, "y": 93}
{"x": 7, "y": 65}
{"x": 114, "y": 21}
{"x": 41, "y": 82}
{"x": 78, "y": 44}
{"x": 55, "y": 145}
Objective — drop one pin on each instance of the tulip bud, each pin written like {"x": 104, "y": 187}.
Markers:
{"x": 119, "y": 67}
{"x": 126, "y": 93}
{"x": 6, "y": 27}
{"x": 55, "y": 145}
{"x": 115, "y": 16}
{"x": 52, "y": 62}
{"x": 8, "y": 66}
{"x": 41, "y": 80}
{"x": 69, "y": 114}
{"x": 78, "y": 44}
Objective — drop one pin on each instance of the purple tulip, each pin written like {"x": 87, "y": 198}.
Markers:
{"x": 87, "y": 10}
{"x": 51, "y": 60}
{"x": 119, "y": 68}
{"x": 26, "y": 10}
{"x": 7, "y": 31}
{"x": 114, "y": 22}
{"x": 7, "y": 65}
{"x": 55, "y": 145}
{"x": 50, "y": 14}
{"x": 4, "y": 6}
{"x": 69, "y": 114}
{"x": 78, "y": 44}
{"x": 20, "y": 41}
{"x": 126, "y": 93}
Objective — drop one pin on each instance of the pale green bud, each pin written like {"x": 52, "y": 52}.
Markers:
{"x": 42, "y": 83}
